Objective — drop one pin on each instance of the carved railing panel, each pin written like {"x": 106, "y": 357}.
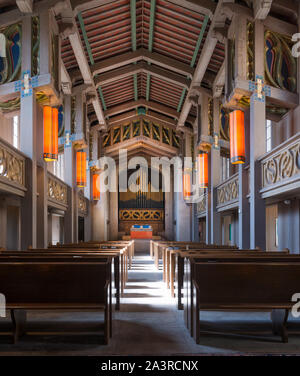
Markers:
{"x": 57, "y": 191}
{"x": 282, "y": 164}
{"x": 228, "y": 191}
{"x": 12, "y": 166}
{"x": 201, "y": 204}
{"x": 82, "y": 204}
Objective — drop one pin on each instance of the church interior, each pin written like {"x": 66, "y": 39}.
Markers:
{"x": 205, "y": 259}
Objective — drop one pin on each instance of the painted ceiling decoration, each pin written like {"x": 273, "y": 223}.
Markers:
{"x": 280, "y": 65}
{"x": 10, "y": 66}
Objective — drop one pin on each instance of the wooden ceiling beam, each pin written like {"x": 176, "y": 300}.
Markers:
{"x": 142, "y": 54}
{"x": 141, "y": 103}
{"x": 141, "y": 67}
{"x": 206, "y": 7}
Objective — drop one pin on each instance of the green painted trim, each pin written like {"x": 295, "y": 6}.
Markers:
{"x": 85, "y": 37}
{"x": 148, "y": 86}
{"x": 151, "y": 25}
{"x": 205, "y": 22}
{"x": 102, "y": 98}
{"x": 135, "y": 87}
{"x": 133, "y": 23}
{"x": 181, "y": 100}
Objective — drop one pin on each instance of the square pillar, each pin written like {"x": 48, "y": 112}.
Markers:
{"x": 71, "y": 216}
{"x": 3, "y": 222}
{"x": 257, "y": 149}
{"x": 244, "y": 208}
{"x": 215, "y": 165}
{"x": 28, "y": 143}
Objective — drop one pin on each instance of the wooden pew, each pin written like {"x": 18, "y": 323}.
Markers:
{"x": 34, "y": 283}
{"x": 116, "y": 254}
{"x": 127, "y": 243}
{"x": 96, "y": 245}
{"x": 260, "y": 285}
{"x": 168, "y": 252}
{"x": 229, "y": 257}
{"x": 76, "y": 255}
{"x": 184, "y": 273}
{"x": 160, "y": 247}
{"x": 104, "y": 248}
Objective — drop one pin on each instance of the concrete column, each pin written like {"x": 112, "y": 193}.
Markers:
{"x": 257, "y": 148}
{"x": 100, "y": 218}
{"x": 42, "y": 184}
{"x": 289, "y": 225}
{"x": 240, "y": 26}
{"x": 3, "y": 222}
{"x": 114, "y": 214}
{"x": 28, "y": 126}
{"x": 45, "y": 45}
{"x": 244, "y": 209}
{"x": 71, "y": 217}
{"x": 182, "y": 217}
{"x": 215, "y": 165}
{"x": 169, "y": 215}
{"x": 195, "y": 224}
{"x": 209, "y": 201}
{"x": 50, "y": 228}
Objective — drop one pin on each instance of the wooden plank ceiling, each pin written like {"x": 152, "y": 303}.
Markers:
{"x": 161, "y": 29}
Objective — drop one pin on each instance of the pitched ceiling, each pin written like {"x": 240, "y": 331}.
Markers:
{"x": 164, "y": 40}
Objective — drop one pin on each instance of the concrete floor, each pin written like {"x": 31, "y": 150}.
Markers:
{"x": 149, "y": 324}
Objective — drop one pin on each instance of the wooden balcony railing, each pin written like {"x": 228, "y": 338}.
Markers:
{"x": 57, "y": 192}
{"x": 12, "y": 169}
{"x": 228, "y": 192}
{"x": 281, "y": 168}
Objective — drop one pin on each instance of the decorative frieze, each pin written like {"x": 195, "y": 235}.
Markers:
{"x": 282, "y": 165}
{"x": 57, "y": 190}
{"x": 12, "y": 166}
{"x": 141, "y": 215}
{"x": 138, "y": 128}
{"x": 228, "y": 191}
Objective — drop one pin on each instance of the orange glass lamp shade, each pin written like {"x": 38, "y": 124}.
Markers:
{"x": 187, "y": 184}
{"x": 81, "y": 169}
{"x": 237, "y": 137}
{"x": 96, "y": 187}
{"x": 202, "y": 164}
{"x": 50, "y": 134}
